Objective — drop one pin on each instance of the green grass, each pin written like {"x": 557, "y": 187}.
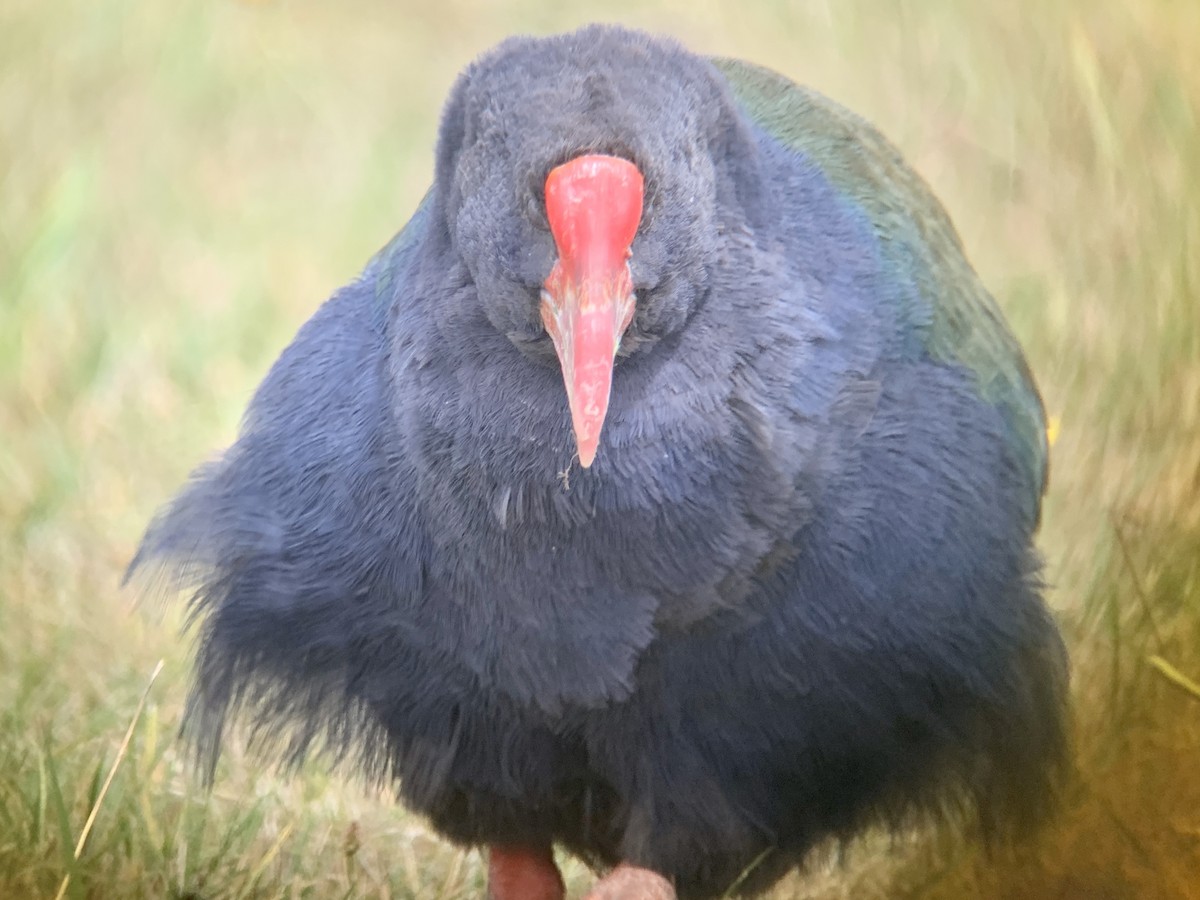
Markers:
{"x": 182, "y": 183}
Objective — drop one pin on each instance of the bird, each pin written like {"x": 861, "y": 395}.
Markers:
{"x": 664, "y": 493}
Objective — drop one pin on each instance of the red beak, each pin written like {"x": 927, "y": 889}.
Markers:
{"x": 594, "y": 205}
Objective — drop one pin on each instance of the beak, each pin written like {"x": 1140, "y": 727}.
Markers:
{"x": 586, "y": 321}
{"x": 594, "y": 206}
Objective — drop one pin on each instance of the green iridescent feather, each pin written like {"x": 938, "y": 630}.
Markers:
{"x": 384, "y": 264}
{"x": 948, "y": 311}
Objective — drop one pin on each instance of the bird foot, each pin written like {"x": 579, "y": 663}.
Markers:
{"x": 523, "y": 873}
{"x": 627, "y": 882}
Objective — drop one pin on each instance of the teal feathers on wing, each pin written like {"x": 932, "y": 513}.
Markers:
{"x": 948, "y": 312}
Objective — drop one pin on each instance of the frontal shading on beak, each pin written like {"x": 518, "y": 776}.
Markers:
{"x": 594, "y": 206}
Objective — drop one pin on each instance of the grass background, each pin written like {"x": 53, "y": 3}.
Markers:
{"x": 182, "y": 183}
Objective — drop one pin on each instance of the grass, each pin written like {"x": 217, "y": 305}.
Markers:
{"x": 181, "y": 184}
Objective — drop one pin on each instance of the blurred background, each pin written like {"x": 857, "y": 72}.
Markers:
{"x": 181, "y": 184}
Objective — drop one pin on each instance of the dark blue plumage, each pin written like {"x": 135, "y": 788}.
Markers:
{"x": 796, "y": 593}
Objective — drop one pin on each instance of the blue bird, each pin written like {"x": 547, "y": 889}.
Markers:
{"x": 665, "y": 491}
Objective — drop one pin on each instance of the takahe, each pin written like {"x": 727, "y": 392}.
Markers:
{"x": 664, "y": 491}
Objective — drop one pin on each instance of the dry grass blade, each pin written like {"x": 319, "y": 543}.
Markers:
{"x": 257, "y": 874}
{"x": 112, "y": 773}
{"x": 1174, "y": 676}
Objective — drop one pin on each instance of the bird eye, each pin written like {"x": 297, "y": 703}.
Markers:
{"x": 532, "y": 212}
{"x": 535, "y": 203}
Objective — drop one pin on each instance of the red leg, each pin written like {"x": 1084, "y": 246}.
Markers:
{"x": 627, "y": 882}
{"x": 523, "y": 873}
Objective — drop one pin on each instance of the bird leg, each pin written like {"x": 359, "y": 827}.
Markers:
{"x": 523, "y": 873}
{"x": 627, "y": 882}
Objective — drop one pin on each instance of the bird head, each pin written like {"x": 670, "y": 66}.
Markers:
{"x": 585, "y": 183}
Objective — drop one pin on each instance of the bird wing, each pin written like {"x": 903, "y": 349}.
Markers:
{"x": 383, "y": 267}
{"x": 946, "y": 311}
{"x": 297, "y": 545}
